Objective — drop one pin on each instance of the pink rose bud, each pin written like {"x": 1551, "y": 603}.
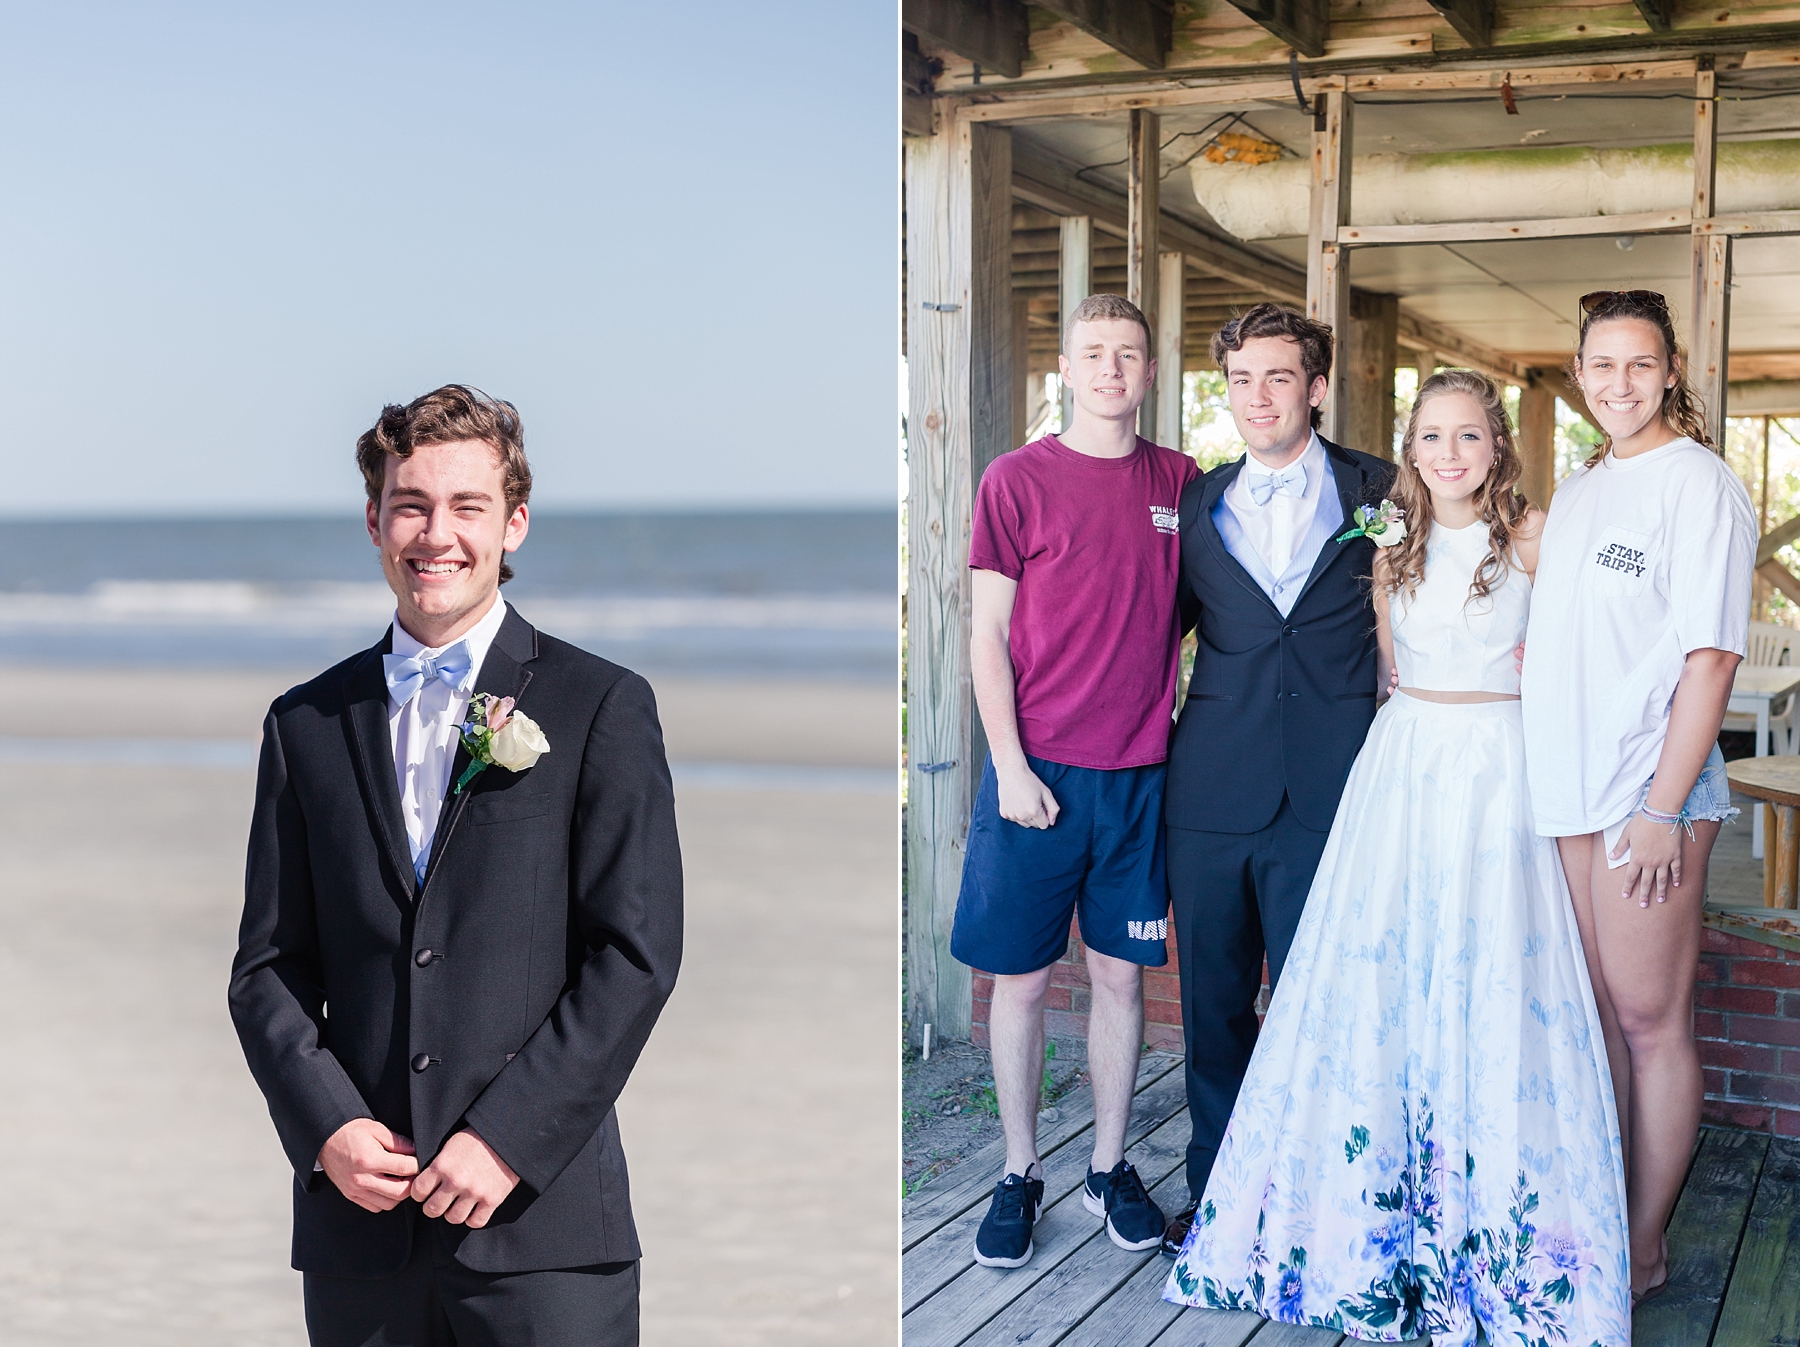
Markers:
{"x": 498, "y": 712}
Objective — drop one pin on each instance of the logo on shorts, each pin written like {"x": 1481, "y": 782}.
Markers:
{"x": 1148, "y": 930}
{"x": 1618, "y": 557}
{"x": 1166, "y": 518}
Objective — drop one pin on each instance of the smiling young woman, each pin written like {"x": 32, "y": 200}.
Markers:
{"x": 1638, "y": 621}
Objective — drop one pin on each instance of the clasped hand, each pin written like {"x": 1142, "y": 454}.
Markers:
{"x": 378, "y": 1169}
{"x": 1655, "y": 860}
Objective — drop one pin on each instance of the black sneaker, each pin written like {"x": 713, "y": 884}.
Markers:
{"x": 1004, "y": 1239}
{"x": 1133, "y": 1221}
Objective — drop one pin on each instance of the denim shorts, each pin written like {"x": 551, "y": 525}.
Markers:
{"x": 1710, "y": 799}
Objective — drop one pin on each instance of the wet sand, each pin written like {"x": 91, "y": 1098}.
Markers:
{"x": 148, "y": 1199}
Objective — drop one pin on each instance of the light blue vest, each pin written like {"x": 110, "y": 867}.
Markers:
{"x": 1284, "y": 589}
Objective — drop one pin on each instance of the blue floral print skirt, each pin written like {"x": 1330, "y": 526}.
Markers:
{"x": 1426, "y": 1141}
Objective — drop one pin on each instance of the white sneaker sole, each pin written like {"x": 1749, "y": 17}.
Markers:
{"x": 1021, "y": 1261}
{"x": 1097, "y": 1207}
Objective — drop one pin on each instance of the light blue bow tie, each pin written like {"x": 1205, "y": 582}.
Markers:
{"x": 406, "y": 674}
{"x": 1289, "y": 482}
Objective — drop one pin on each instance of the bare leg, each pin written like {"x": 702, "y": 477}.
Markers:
{"x": 1647, "y": 959}
{"x": 1578, "y": 868}
{"x": 1016, "y": 1031}
{"x": 1115, "y": 1036}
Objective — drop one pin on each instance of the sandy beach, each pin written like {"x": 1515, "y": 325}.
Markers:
{"x": 149, "y": 1198}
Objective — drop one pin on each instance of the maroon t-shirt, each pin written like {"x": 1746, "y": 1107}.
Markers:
{"x": 1095, "y": 639}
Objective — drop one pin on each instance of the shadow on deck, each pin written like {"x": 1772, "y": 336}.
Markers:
{"x": 1734, "y": 1246}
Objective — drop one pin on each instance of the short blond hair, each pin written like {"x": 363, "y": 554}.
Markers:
{"x": 1104, "y": 308}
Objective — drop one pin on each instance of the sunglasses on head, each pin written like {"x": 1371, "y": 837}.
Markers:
{"x": 1595, "y": 298}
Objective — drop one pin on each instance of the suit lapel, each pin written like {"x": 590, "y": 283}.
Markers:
{"x": 1350, "y": 486}
{"x": 504, "y": 673}
{"x": 366, "y": 715}
{"x": 1208, "y": 532}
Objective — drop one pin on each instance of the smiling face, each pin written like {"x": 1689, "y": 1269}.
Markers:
{"x": 443, "y": 527}
{"x": 1453, "y": 448}
{"x": 1625, "y": 369}
{"x": 1108, "y": 367}
{"x": 1271, "y": 397}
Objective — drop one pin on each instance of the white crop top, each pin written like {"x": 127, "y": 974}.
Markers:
{"x": 1445, "y": 640}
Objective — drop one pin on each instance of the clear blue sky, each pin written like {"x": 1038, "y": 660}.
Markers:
{"x": 230, "y": 232}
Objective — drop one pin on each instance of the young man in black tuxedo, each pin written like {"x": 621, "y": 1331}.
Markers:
{"x": 446, "y": 970}
{"x": 1281, "y": 697}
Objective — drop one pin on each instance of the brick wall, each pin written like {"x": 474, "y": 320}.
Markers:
{"x": 1066, "y": 1008}
{"x": 1747, "y": 1022}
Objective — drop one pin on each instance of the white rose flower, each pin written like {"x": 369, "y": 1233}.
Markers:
{"x": 1390, "y": 535}
{"x": 518, "y": 743}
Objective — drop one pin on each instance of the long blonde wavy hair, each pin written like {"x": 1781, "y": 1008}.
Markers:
{"x": 1497, "y": 501}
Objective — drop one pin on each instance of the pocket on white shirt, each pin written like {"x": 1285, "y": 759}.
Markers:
{"x": 1621, "y": 563}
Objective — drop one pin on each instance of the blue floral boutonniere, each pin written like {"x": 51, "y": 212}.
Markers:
{"x": 1384, "y": 527}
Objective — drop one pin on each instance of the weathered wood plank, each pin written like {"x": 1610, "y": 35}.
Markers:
{"x": 1297, "y": 1335}
{"x": 1210, "y": 1328}
{"x": 1485, "y": 231}
{"x": 1139, "y": 29}
{"x": 1762, "y": 1306}
{"x": 1087, "y": 1275}
{"x": 1769, "y": 222}
{"x": 968, "y": 1309}
{"x": 1327, "y": 265}
{"x": 1303, "y": 25}
{"x": 992, "y": 33}
{"x": 1473, "y": 20}
{"x": 973, "y": 1180}
{"x": 1143, "y": 202}
{"x": 1703, "y": 1239}
{"x": 1171, "y": 344}
{"x": 1134, "y": 1314}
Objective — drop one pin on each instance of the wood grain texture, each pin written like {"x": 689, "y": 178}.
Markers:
{"x": 1139, "y": 30}
{"x": 1703, "y": 1239}
{"x": 1327, "y": 269}
{"x": 1537, "y": 442}
{"x": 1210, "y": 1328}
{"x": 990, "y": 33}
{"x": 1481, "y": 231}
{"x": 1171, "y": 345}
{"x": 1763, "y": 1305}
{"x": 1143, "y": 219}
{"x": 1372, "y": 339}
{"x": 1303, "y": 25}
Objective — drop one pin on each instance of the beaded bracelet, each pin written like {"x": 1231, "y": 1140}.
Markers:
{"x": 1674, "y": 821}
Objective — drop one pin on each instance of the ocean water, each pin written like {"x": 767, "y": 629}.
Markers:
{"x": 719, "y": 595}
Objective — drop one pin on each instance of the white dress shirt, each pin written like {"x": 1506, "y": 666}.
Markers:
{"x": 1276, "y": 527}
{"x": 424, "y": 731}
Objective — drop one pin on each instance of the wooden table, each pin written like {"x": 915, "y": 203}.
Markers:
{"x": 1776, "y": 782}
{"x": 1754, "y": 687}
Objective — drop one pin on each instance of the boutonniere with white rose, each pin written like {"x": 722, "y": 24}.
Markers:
{"x": 1384, "y": 527}
{"x": 498, "y": 736}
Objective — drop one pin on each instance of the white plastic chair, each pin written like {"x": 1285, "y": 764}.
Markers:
{"x": 1770, "y": 644}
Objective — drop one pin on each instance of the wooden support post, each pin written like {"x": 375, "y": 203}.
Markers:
{"x": 959, "y": 417}
{"x": 1537, "y": 441}
{"x": 1373, "y": 352}
{"x": 1787, "y": 853}
{"x": 1143, "y": 208}
{"x": 1075, "y": 282}
{"x": 1328, "y": 265}
{"x": 1171, "y": 341}
{"x": 1710, "y": 302}
{"x": 1021, "y": 366}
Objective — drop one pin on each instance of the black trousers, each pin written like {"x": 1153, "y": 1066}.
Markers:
{"x": 434, "y": 1301}
{"x": 1235, "y": 897}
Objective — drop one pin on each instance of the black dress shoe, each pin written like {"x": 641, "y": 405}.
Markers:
{"x": 1176, "y": 1232}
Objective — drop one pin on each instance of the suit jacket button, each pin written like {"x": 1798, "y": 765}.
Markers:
{"x": 422, "y": 958}
{"x": 421, "y": 1061}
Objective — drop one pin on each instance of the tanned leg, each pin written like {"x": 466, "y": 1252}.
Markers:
{"x": 1115, "y": 1036}
{"x": 1578, "y": 868}
{"x": 1016, "y": 1033}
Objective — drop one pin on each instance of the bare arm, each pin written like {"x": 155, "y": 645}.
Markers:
{"x": 1526, "y": 539}
{"x": 1695, "y": 714}
{"x": 1023, "y": 798}
{"x": 1387, "y": 669}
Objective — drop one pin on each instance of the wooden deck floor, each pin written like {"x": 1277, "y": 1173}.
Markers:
{"x": 1734, "y": 1245}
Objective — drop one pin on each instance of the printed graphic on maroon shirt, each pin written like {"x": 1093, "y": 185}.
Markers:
{"x": 1094, "y": 637}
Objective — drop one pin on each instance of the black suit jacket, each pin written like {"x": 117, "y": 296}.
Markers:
{"x": 1276, "y": 705}
{"x": 527, "y": 968}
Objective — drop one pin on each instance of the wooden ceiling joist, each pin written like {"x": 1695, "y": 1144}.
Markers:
{"x": 1302, "y": 24}
{"x": 1473, "y": 20}
{"x": 1659, "y": 14}
{"x": 1140, "y": 29}
{"x": 992, "y": 33}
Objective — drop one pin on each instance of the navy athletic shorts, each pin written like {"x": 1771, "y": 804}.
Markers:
{"x": 1103, "y": 857}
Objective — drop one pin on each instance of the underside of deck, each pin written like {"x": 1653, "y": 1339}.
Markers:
{"x": 1734, "y": 1245}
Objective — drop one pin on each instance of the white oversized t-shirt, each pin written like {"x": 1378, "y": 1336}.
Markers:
{"x": 1643, "y": 560}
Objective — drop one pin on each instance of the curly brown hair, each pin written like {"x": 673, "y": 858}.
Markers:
{"x": 1277, "y": 320}
{"x": 448, "y": 415}
{"x": 1497, "y": 502}
{"x": 1682, "y": 409}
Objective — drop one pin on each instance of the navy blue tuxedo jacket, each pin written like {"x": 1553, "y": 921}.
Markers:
{"x": 511, "y": 991}
{"x": 1276, "y": 705}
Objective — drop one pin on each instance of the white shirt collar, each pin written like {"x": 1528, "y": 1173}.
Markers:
{"x": 1311, "y": 462}
{"x": 479, "y": 637}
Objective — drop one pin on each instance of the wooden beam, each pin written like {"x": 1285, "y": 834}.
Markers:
{"x": 1486, "y": 231}
{"x": 1765, "y": 397}
{"x": 1171, "y": 345}
{"x": 916, "y": 75}
{"x": 1140, "y": 29}
{"x": 1767, "y": 222}
{"x": 1372, "y": 340}
{"x": 1659, "y": 14}
{"x": 959, "y": 417}
{"x": 992, "y": 33}
{"x": 1473, "y": 20}
{"x": 1422, "y": 334}
{"x": 1537, "y": 441}
{"x": 1042, "y": 181}
{"x": 1781, "y": 577}
{"x": 1302, "y": 24}
{"x": 1708, "y": 362}
{"x": 1077, "y": 283}
{"x": 1327, "y": 265}
{"x": 1706, "y": 154}
{"x": 1143, "y": 213}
